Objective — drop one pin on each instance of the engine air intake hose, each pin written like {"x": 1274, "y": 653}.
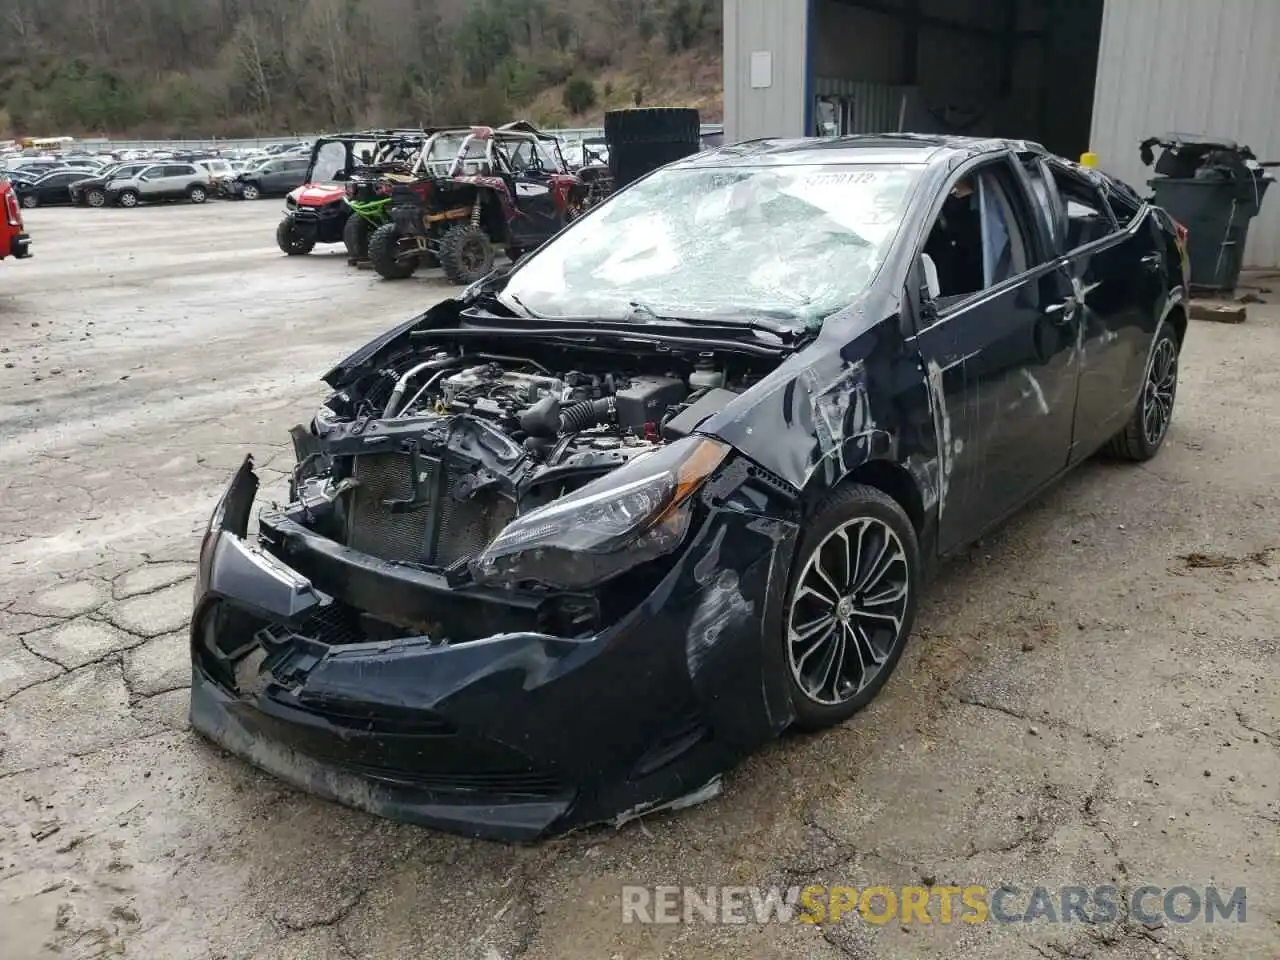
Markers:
{"x": 587, "y": 414}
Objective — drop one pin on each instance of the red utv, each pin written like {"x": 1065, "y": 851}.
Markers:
{"x": 14, "y": 242}
{"x": 506, "y": 187}
{"x": 317, "y": 211}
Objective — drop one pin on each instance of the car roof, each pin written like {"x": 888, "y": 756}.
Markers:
{"x": 891, "y": 148}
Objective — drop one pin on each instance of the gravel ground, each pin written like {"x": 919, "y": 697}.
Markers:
{"x": 1092, "y": 696}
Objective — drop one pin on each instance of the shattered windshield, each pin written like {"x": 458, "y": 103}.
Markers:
{"x": 800, "y": 241}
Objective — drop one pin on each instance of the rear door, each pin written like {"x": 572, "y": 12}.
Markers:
{"x": 1111, "y": 287}
{"x": 1000, "y": 363}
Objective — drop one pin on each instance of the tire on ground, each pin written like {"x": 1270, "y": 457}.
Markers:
{"x": 383, "y": 243}
{"x": 290, "y": 241}
{"x": 848, "y": 503}
{"x": 1131, "y": 443}
{"x": 466, "y": 253}
{"x": 355, "y": 237}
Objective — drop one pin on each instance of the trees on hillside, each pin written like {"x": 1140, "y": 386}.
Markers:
{"x": 242, "y": 66}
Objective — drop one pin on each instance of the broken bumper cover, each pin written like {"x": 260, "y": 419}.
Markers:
{"x": 516, "y": 736}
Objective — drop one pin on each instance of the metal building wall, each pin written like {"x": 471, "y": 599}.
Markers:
{"x": 1192, "y": 66}
{"x": 781, "y": 29}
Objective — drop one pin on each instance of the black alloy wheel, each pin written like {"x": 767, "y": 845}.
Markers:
{"x": 853, "y": 598}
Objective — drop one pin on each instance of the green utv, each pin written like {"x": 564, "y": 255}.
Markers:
{"x": 345, "y": 167}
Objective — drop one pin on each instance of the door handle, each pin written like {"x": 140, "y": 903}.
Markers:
{"x": 1152, "y": 261}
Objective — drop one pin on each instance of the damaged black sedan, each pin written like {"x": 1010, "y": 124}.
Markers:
{"x": 564, "y": 548}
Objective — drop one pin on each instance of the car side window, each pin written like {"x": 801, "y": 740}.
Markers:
{"x": 1125, "y": 207}
{"x": 979, "y": 239}
{"x": 1088, "y": 217}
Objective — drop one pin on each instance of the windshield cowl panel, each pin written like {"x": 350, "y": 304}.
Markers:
{"x": 791, "y": 243}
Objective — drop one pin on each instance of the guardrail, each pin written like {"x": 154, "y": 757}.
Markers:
{"x": 103, "y": 145}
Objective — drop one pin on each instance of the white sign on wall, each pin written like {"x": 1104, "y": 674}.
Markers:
{"x": 761, "y": 69}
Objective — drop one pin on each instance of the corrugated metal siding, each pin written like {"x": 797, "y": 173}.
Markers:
{"x": 781, "y": 27}
{"x": 1195, "y": 67}
{"x": 873, "y": 107}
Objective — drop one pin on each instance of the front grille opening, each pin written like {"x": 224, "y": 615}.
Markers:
{"x": 404, "y": 511}
{"x": 335, "y": 625}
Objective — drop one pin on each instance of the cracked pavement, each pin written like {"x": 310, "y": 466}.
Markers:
{"x": 1092, "y": 695}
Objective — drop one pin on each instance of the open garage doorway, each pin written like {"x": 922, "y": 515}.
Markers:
{"x": 1010, "y": 68}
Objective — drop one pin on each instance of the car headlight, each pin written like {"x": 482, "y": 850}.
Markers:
{"x": 636, "y": 514}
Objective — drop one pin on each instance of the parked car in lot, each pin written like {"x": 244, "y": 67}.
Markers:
{"x": 50, "y": 189}
{"x": 92, "y": 191}
{"x": 271, "y": 178}
{"x": 161, "y": 181}
{"x": 684, "y": 471}
{"x": 14, "y": 241}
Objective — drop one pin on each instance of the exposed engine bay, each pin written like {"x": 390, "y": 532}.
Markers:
{"x": 426, "y": 461}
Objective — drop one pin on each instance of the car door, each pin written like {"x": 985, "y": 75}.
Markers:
{"x": 53, "y": 188}
{"x": 1110, "y": 290}
{"x": 1000, "y": 362}
{"x": 529, "y": 181}
{"x": 150, "y": 182}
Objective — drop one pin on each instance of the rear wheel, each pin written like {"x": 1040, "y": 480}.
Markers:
{"x": 466, "y": 253}
{"x": 95, "y": 198}
{"x": 129, "y": 198}
{"x": 1144, "y": 434}
{"x": 852, "y": 601}
{"x": 355, "y": 237}
{"x": 291, "y": 241}
{"x": 384, "y": 247}
{"x": 30, "y": 201}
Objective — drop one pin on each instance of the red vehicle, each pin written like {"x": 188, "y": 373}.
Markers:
{"x": 13, "y": 240}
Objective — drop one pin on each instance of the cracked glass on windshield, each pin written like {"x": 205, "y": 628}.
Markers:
{"x": 794, "y": 242}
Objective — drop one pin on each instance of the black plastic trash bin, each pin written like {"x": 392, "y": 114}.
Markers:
{"x": 1214, "y": 188}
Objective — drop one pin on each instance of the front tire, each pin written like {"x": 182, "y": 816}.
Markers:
{"x": 250, "y": 191}
{"x": 129, "y": 198}
{"x": 289, "y": 240}
{"x": 852, "y": 602}
{"x": 466, "y": 254}
{"x": 384, "y": 244}
{"x": 355, "y": 237}
{"x": 1143, "y": 436}
{"x": 197, "y": 195}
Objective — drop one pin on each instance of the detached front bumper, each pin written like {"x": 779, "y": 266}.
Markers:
{"x": 516, "y": 735}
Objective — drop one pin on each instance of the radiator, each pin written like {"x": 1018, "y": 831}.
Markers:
{"x": 440, "y": 533}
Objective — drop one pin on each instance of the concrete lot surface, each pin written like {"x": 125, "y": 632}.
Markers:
{"x": 1092, "y": 697}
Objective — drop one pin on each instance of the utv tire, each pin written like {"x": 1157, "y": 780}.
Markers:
{"x": 355, "y": 237}
{"x": 851, "y": 603}
{"x": 383, "y": 245}
{"x": 129, "y": 198}
{"x": 30, "y": 201}
{"x": 1148, "y": 425}
{"x": 250, "y": 191}
{"x": 95, "y": 198}
{"x": 197, "y": 195}
{"x": 290, "y": 241}
{"x": 466, "y": 254}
